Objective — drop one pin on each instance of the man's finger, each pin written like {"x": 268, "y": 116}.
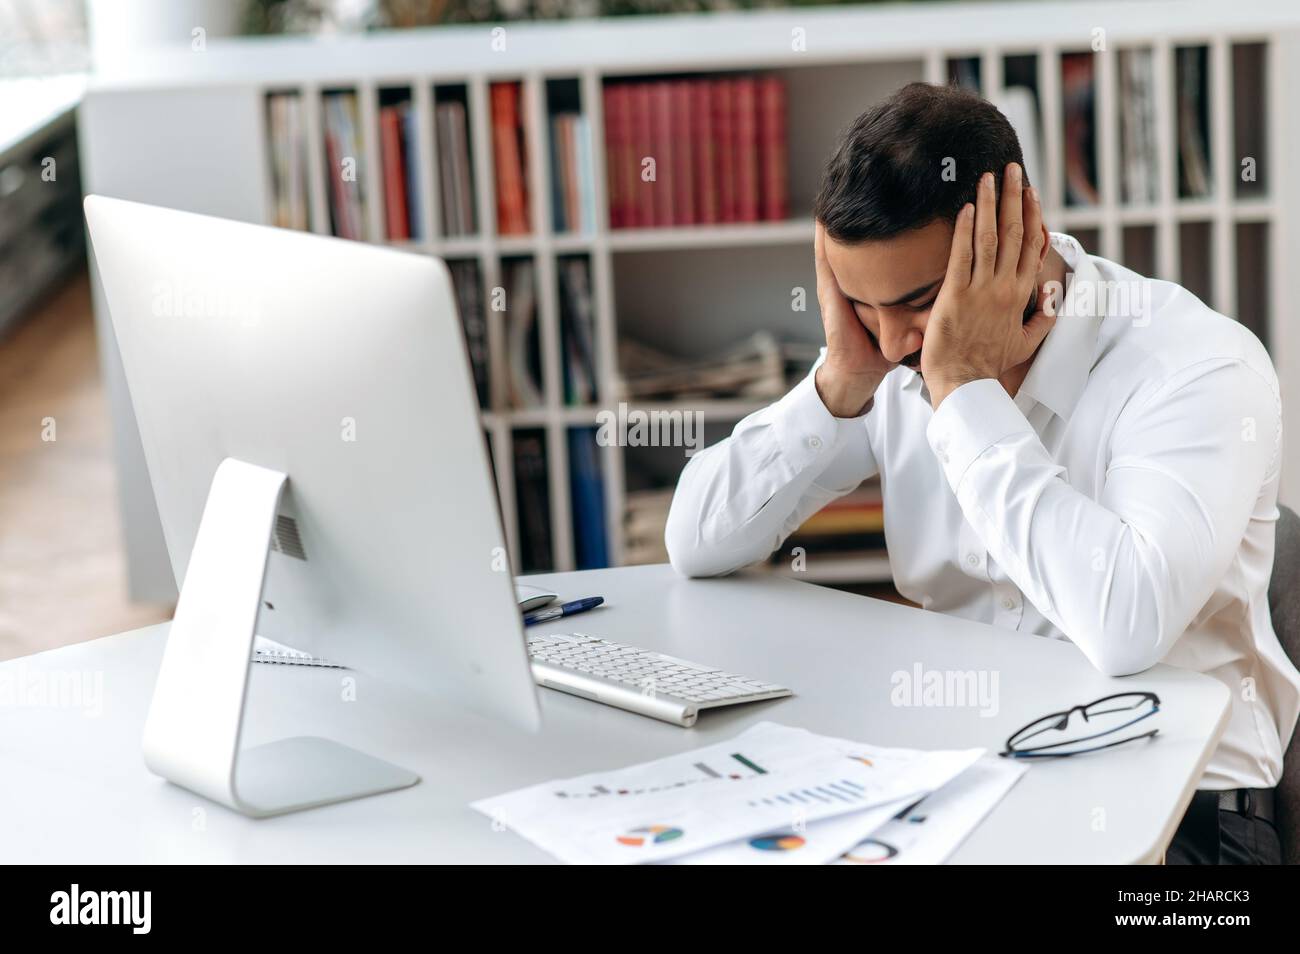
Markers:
{"x": 1037, "y": 327}
{"x": 1033, "y": 244}
{"x": 959, "y": 257}
{"x": 986, "y": 230}
{"x": 1011, "y": 227}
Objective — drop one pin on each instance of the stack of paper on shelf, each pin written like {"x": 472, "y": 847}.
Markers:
{"x": 758, "y": 367}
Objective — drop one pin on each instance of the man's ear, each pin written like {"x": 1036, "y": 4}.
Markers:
{"x": 1047, "y": 246}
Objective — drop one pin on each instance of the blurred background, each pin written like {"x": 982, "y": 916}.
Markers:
{"x": 510, "y": 137}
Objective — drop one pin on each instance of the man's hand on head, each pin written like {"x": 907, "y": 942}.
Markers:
{"x": 854, "y": 367}
{"x": 977, "y": 327}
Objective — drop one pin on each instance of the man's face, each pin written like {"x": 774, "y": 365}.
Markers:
{"x": 891, "y": 284}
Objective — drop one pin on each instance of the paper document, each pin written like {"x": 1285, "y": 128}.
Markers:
{"x": 764, "y": 780}
{"x": 822, "y": 842}
{"x": 933, "y": 829}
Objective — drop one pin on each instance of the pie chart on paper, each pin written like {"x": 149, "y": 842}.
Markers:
{"x": 650, "y": 835}
{"x": 777, "y": 843}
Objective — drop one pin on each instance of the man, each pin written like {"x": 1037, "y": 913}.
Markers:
{"x": 1064, "y": 447}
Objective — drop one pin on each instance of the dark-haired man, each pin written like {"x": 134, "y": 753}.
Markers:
{"x": 1065, "y": 447}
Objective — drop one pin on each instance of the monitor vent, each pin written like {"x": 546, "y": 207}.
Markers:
{"x": 286, "y": 540}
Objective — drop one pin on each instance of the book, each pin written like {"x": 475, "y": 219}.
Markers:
{"x": 288, "y": 161}
{"x": 523, "y": 351}
{"x": 587, "y": 500}
{"x": 724, "y": 138}
{"x": 469, "y": 301}
{"x": 414, "y": 198}
{"x": 613, "y": 97}
{"x": 344, "y": 151}
{"x": 454, "y": 169}
{"x": 774, "y": 203}
{"x": 744, "y": 104}
{"x": 510, "y": 163}
{"x": 560, "y": 219}
{"x": 586, "y": 174}
{"x": 393, "y": 155}
{"x": 1137, "y": 128}
{"x": 1193, "y": 139}
{"x": 681, "y": 175}
{"x": 532, "y": 501}
{"x": 663, "y": 149}
{"x": 577, "y": 329}
{"x": 642, "y": 205}
{"x": 704, "y": 152}
{"x": 1078, "y": 119}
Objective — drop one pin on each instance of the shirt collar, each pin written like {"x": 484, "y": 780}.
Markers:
{"x": 1060, "y": 369}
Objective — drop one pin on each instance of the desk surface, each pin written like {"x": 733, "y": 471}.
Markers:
{"x": 76, "y": 790}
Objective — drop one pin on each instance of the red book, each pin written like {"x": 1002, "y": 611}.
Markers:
{"x": 682, "y": 174}
{"x": 745, "y": 157}
{"x": 724, "y": 148}
{"x": 512, "y": 198}
{"x": 614, "y": 96}
{"x": 773, "y": 198}
{"x": 663, "y": 151}
{"x": 390, "y": 135}
{"x": 704, "y": 153}
{"x": 643, "y": 209}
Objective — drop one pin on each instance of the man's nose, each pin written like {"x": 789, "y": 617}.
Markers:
{"x": 898, "y": 339}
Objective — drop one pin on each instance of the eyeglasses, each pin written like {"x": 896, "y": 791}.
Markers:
{"x": 1076, "y": 731}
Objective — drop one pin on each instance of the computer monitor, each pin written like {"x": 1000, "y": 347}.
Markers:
{"x": 312, "y": 435}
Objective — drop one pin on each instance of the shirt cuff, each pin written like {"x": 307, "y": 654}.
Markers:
{"x": 806, "y": 431}
{"x": 970, "y": 420}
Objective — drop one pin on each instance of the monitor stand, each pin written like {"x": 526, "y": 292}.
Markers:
{"x": 191, "y": 736}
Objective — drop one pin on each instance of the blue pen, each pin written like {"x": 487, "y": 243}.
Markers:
{"x": 564, "y": 609}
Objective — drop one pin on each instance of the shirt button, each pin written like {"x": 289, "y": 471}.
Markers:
{"x": 972, "y": 559}
{"x": 815, "y": 442}
{"x": 1008, "y": 603}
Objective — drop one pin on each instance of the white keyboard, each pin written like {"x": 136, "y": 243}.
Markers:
{"x": 649, "y": 683}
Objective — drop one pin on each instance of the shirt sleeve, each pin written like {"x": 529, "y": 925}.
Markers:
{"x": 1125, "y": 574}
{"x": 739, "y": 499}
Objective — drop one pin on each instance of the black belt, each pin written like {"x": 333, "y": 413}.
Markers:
{"x": 1248, "y": 802}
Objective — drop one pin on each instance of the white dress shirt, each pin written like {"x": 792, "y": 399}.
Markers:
{"x": 1124, "y": 500}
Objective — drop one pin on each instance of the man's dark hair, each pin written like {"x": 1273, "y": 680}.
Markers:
{"x": 887, "y": 173}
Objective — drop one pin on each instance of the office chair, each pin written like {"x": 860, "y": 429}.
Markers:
{"x": 1284, "y": 606}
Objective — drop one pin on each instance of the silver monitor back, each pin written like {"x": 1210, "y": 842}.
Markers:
{"x": 342, "y": 365}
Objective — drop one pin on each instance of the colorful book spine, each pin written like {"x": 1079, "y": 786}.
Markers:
{"x": 773, "y": 195}
{"x": 394, "y": 167}
{"x": 704, "y": 153}
{"x": 745, "y": 155}
{"x": 410, "y": 146}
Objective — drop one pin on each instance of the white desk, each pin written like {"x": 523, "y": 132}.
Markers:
{"x": 75, "y": 789}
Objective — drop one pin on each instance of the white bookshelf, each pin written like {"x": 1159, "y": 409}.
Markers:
{"x": 189, "y": 130}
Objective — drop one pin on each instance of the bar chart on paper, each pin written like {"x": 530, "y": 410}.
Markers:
{"x": 736, "y": 767}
